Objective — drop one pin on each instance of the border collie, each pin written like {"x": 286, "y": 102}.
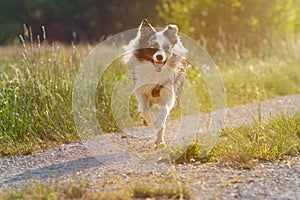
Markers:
{"x": 158, "y": 65}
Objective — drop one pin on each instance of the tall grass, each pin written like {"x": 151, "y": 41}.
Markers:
{"x": 275, "y": 140}
{"x": 36, "y": 82}
{"x": 272, "y": 77}
{"x": 243, "y": 146}
{"x": 35, "y": 97}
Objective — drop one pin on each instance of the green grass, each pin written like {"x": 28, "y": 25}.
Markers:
{"x": 80, "y": 189}
{"x": 270, "y": 141}
{"x": 36, "y": 83}
{"x": 42, "y": 191}
{"x": 77, "y": 189}
{"x": 243, "y": 146}
{"x": 272, "y": 78}
{"x": 170, "y": 191}
{"x": 35, "y": 99}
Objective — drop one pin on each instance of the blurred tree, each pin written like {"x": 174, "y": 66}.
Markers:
{"x": 220, "y": 24}
{"x": 88, "y": 20}
{"x": 11, "y": 14}
{"x": 224, "y": 24}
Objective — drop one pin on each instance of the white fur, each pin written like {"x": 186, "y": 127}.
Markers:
{"x": 146, "y": 77}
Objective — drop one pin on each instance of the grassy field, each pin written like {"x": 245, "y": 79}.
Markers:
{"x": 37, "y": 80}
{"x": 36, "y": 112}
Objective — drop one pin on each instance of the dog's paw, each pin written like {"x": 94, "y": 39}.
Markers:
{"x": 145, "y": 123}
{"x": 160, "y": 144}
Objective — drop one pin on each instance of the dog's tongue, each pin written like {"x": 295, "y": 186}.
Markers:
{"x": 158, "y": 66}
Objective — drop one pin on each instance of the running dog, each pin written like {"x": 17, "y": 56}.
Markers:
{"x": 158, "y": 65}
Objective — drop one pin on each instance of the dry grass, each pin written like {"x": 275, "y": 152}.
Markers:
{"x": 36, "y": 82}
{"x": 80, "y": 189}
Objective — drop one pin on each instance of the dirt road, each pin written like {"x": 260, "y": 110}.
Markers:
{"x": 272, "y": 180}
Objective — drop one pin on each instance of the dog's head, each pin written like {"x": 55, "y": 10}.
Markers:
{"x": 156, "y": 46}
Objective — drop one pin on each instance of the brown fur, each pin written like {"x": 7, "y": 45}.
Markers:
{"x": 159, "y": 68}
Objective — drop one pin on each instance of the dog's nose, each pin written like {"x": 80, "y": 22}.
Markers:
{"x": 159, "y": 57}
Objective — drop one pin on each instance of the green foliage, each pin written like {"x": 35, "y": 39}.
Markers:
{"x": 10, "y": 20}
{"x": 113, "y": 76}
{"x": 192, "y": 154}
{"x": 35, "y": 99}
{"x": 72, "y": 20}
{"x": 242, "y": 79}
{"x": 240, "y": 147}
{"x": 36, "y": 85}
{"x": 235, "y": 24}
{"x": 37, "y": 81}
{"x": 80, "y": 189}
{"x": 239, "y": 25}
{"x": 172, "y": 191}
{"x": 266, "y": 141}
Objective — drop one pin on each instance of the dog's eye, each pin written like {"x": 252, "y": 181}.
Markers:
{"x": 166, "y": 48}
{"x": 154, "y": 46}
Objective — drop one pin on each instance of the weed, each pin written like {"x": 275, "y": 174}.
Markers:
{"x": 35, "y": 92}
{"x": 79, "y": 189}
{"x": 32, "y": 191}
{"x": 240, "y": 147}
{"x": 193, "y": 153}
{"x": 76, "y": 189}
{"x": 170, "y": 191}
{"x": 268, "y": 142}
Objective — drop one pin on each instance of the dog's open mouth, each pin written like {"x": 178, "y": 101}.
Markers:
{"x": 158, "y": 65}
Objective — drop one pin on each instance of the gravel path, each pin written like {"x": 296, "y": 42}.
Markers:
{"x": 208, "y": 181}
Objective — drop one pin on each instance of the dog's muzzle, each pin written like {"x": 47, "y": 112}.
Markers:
{"x": 158, "y": 65}
{"x": 159, "y": 60}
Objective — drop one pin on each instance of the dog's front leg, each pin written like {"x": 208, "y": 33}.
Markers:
{"x": 160, "y": 141}
{"x": 167, "y": 101}
{"x": 143, "y": 104}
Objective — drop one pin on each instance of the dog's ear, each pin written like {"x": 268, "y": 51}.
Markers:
{"x": 146, "y": 29}
{"x": 171, "y": 32}
{"x": 145, "y": 24}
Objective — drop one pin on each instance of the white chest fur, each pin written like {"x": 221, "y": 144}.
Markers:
{"x": 146, "y": 75}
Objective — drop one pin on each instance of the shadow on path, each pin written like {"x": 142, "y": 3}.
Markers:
{"x": 55, "y": 170}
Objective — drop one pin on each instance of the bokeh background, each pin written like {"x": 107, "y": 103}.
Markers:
{"x": 218, "y": 25}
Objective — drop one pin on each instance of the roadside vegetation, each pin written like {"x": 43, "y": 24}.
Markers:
{"x": 256, "y": 50}
{"x": 36, "y": 113}
{"x": 244, "y": 146}
{"x": 80, "y": 189}
{"x": 37, "y": 81}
